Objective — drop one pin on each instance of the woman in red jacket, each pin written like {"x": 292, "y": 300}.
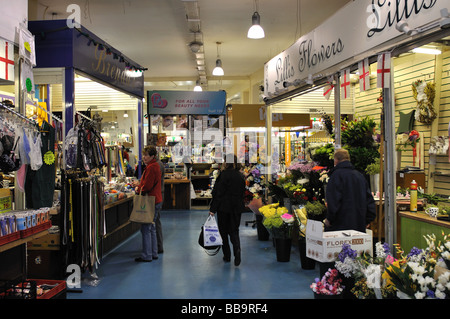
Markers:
{"x": 150, "y": 185}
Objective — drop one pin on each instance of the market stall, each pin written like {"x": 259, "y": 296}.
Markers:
{"x": 332, "y": 60}
{"x": 85, "y": 77}
{"x": 188, "y": 128}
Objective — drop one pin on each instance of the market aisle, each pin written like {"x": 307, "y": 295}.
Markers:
{"x": 185, "y": 271}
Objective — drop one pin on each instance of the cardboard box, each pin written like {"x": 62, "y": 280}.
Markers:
{"x": 47, "y": 242}
{"x": 326, "y": 246}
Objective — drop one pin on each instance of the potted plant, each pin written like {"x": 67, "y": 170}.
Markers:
{"x": 315, "y": 210}
{"x": 280, "y": 223}
{"x": 373, "y": 170}
{"x": 329, "y": 287}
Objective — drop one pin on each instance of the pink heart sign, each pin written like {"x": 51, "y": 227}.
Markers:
{"x": 158, "y": 102}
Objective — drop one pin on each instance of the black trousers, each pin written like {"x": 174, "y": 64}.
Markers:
{"x": 229, "y": 229}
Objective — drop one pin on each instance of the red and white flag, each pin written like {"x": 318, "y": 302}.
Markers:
{"x": 345, "y": 83}
{"x": 327, "y": 89}
{"x": 364, "y": 75}
{"x": 384, "y": 70}
{"x": 6, "y": 60}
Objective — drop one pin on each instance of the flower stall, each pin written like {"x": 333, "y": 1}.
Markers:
{"x": 423, "y": 273}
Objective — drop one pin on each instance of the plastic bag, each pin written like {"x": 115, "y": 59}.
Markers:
{"x": 211, "y": 235}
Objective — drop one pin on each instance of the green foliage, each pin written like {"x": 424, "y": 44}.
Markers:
{"x": 324, "y": 155}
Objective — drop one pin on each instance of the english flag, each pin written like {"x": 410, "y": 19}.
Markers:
{"x": 6, "y": 60}
{"x": 345, "y": 83}
{"x": 364, "y": 75}
{"x": 384, "y": 70}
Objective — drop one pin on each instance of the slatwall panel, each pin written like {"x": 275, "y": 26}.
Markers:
{"x": 408, "y": 69}
{"x": 315, "y": 100}
{"x": 90, "y": 93}
{"x": 442, "y": 183}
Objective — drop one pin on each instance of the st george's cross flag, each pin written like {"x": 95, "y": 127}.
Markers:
{"x": 345, "y": 83}
{"x": 6, "y": 60}
{"x": 364, "y": 75}
{"x": 384, "y": 70}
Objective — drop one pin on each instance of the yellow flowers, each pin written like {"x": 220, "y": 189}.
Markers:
{"x": 272, "y": 215}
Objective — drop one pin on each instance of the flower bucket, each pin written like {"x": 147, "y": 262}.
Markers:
{"x": 261, "y": 230}
{"x": 283, "y": 249}
{"x": 306, "y": 262}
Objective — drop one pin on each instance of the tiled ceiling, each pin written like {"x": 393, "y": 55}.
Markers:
{"x": 156, "y": 34}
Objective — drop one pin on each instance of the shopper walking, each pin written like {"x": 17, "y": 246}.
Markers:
{"x": 150, "y": 184}
{"x": 350, "y": 204}
{"x": 228, "y": 203}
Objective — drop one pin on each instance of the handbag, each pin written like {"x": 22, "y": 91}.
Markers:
{"x": 143, "y": 209}
{"x": 209, "y": 237}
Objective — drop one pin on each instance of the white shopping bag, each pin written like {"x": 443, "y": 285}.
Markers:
{"x": 211, "y": 235}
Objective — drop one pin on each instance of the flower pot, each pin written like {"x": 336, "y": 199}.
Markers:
{"x": 375, "y": 183}
{"x": 261, "y": 230}
{"x": 320, "y": 296}
{"x": 283, "y": 249}
{"x": 307, "y": 263}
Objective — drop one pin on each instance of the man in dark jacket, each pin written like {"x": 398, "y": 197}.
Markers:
{"x": 228, "y": 203}
{"x": 350, "y": 204}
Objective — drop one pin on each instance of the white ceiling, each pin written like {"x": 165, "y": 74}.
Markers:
{"x": 156, "y": 33}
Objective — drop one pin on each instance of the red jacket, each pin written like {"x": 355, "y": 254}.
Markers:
{"x": 151, "y": 181}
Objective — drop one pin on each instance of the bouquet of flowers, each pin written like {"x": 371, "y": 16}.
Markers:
{"x": 277, "y": 220}
{"x": 254, "y": 182}
{"x": 330, "y": 284}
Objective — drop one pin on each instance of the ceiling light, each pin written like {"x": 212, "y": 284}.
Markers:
{"x": 197, "y": 87}
{"x": 125, "y": 114}
{"x": 427, "y": 51}
{"x": 218, "y": 71}
{"x": 255, "y": 31}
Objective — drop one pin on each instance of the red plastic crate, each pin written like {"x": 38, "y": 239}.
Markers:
{"x": 9, "y": 238}
{"x": 52, "y": 292}
{"x": 36, "y": 229}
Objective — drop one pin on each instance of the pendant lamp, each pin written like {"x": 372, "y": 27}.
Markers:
{"x": 256, "y": 31}
{"x": 197, "y": 87}
{"x": 218, "y": 71}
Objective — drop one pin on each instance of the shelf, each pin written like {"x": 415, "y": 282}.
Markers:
{"x": 22, "y": 240}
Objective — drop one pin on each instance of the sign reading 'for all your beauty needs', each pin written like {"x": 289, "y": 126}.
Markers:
{"x": 186, "y": 102}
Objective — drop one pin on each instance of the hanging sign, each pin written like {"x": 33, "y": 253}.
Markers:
{"x": 186, "y": 102}
{"x": 287, "y": 149}
{"x": 254, "y": 115}
{"x": 354, "y": 30}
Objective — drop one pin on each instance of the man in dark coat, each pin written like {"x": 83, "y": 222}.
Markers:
{"x": 228, "y": 203}
{"x": 350, "y": 204}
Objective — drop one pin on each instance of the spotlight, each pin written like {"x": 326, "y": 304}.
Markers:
{"x": 402, "y": 26}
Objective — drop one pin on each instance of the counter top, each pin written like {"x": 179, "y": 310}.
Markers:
{"x": 176, "y": 181}
{"x": 421, "y": 216}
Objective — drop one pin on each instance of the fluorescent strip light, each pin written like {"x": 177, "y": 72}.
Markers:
{"x": 427, "y": 51}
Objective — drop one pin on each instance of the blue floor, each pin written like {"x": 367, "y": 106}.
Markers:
{"x": 185, "y": 271}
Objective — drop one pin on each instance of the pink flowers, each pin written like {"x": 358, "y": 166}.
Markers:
{"x": 330, "y": 284}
